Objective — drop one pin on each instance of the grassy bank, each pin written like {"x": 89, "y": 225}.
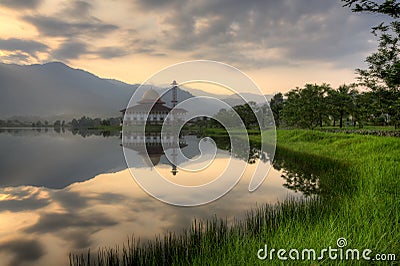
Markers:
{"x": 359, "y": 188}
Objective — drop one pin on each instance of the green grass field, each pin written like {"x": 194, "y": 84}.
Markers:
{"x": 359, "y": 201}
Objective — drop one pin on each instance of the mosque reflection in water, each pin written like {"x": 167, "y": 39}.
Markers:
{"x": 152, "y": 146}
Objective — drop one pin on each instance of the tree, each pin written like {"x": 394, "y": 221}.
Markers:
{"x": 276, "y": 105}
{"x": 340, "y": 102}
{"x": 394, "y": 109}
{"x": 224, "y": 117}
{"x": 383, "y": 73}
{"x": 246, "y": 113}
{"x": 388, "y": 7}
{"x": 383, "y": 65}
{"x": 306, "y": 107}
{"x": 74, "y": 123}
{"x": 105, "y": 122}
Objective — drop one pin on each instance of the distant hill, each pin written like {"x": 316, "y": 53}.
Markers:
{"x": 235, "y": 99}
{"x": 56, "y": 91}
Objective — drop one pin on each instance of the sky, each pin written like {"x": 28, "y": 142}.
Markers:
{"x": 279, "y": 44}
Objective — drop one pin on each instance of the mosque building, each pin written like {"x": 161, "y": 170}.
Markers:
{"x": 152, "y": 110}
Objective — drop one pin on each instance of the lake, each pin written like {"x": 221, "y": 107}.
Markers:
{"x": 63, "y": 191}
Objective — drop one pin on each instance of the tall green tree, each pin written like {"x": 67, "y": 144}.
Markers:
{"x": 57, "y": 124}
{"x": 384, "y": 64}
{"x": 247, "y": 115}
{"x": 387, "y": 7}
{"x": 383, "y": 73}
{"x": 224, "y": 117}
{"x": 361, "y": 111}
{"x": 276, "y": 105}
{"x": 306, "y": 107}
{"x": 394, "y": 109}
{"x": 341, "y": 102}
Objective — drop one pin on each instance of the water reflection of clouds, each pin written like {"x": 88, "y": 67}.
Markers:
{"x": 138, "y": 155}
{"x": 22, "y": 250}
{"x": 104, "y": 211}
{"x": 22, "y": 199}
{"x": 69, "y": 212}
{"x": 56, "y": 160}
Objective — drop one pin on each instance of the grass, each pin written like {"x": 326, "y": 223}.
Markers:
{"x": 383, "y": 128}
{"x": 360, "y": 201}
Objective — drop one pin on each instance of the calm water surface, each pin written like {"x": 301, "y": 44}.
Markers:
{"x": 62, "y": 192}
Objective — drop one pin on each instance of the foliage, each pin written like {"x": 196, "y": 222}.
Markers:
{"x": 320, "y": 105}
{"x": 226, "y": 116}
{"x": 383, "y": 73}
{"x": 248, "y": 114}
{"x": 384, "y": 65}
{"x": 306, "y": 107}
{"x": 87, "y": 122}
{"x": 276, "y": 105}
{"x": 388, "y": 7}
{"x": 340, "y": 102}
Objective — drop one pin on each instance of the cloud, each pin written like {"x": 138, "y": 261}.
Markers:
{"x": 109, "y": 198}
{"x": 70, "y": 50}
{"x": 55, "y": 27}
{"x": 79, "y": 239}
{"x": 50, "y": 222}
{"x": 69, "y": 199}
{"x": 111, "y": 52}
{"x": 79, "y": 30}
{"x": 247, "y": 34}
{"x": 16, "y": 57}
{"x": 151, "y": 5}
{"x": 77, "y": 9}
{"x": 24, "y": 204}
{"x": 23, "y": 199}
{"x": 73, "y": 225}
{"x": 28, "y": 4}
{"x": 26, "y": 46}
{"x": 23, "y": 250}
{"x": 259, "y": 33}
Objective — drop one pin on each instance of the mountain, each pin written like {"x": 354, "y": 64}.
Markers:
{"x": 235, "y": 99}
{"x": 56, "y": 89}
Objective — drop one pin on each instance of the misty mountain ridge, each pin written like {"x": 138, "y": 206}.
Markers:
{"x": 55, "y": 91}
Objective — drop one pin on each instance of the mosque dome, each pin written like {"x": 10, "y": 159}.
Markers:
{"x": 151, "y": 95}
